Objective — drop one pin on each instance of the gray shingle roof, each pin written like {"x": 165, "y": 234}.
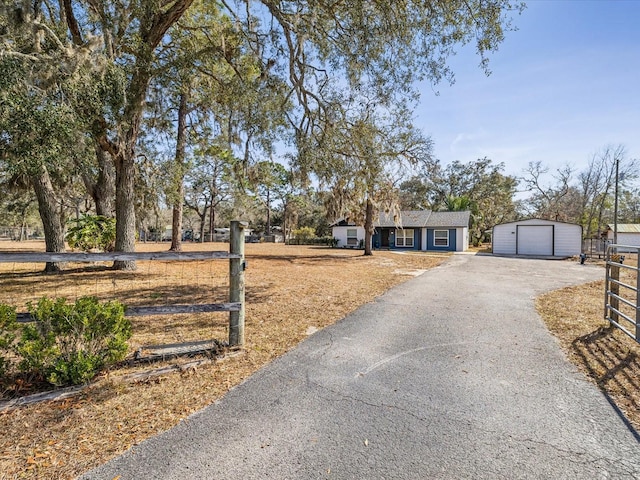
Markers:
{"x": 424, "y": 218}
{"x": 449, "y": 219}
{"x": 407, "y": 219}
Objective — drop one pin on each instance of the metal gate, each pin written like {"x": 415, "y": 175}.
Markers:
{"x": 622, "y": 289}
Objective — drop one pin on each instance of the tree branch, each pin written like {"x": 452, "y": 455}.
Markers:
{"x": 72, "y": 23}
{"x": 163, "y": 21}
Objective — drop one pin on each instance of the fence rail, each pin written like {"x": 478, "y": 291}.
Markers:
{"x": 235, "y": 306}
{"x": 79, "y": 257}
{"x": 622, "y": 290}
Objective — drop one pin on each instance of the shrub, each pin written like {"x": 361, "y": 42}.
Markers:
{"x": 92, "y": 232}
{"x": 304, "y": 234}
{"x": 8, "y": 330}
{"x": 71, "y": 343}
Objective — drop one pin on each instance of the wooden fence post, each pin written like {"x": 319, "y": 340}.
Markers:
{"x": 615, "y": 287}
{"x": 236, "y": 283}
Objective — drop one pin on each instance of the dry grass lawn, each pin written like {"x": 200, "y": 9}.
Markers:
{"x": 611, "y": 359}
{"x": 290, "y": 292}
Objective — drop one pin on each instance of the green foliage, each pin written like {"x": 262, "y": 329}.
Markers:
{"x": 70, "y": 343}
{"x": 92, "y": 232}
{"x": 329, "y": 241}
{"x": 304, "y": 233}
{"x": 457, "y": 204}
{"x": 8, "y": 328}
{"x": 479, "y": 186}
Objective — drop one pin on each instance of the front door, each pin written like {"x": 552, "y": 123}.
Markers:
{"x": 384, "y": 237}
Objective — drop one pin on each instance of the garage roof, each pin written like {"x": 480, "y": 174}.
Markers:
{"x": 626, "y": 227}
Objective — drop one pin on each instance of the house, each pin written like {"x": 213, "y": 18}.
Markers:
{"x": 628, "y": 234}
{"x": 348, "y": 234}
{"x": 411, "y": 230}
{"x": 538, "y": 238}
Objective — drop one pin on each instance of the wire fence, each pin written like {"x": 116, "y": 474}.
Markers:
{"x": 171, "y": 297}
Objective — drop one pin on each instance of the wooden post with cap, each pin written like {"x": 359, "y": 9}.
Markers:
{"x": 236, "y": 283}
{"x": 615, "y": 287}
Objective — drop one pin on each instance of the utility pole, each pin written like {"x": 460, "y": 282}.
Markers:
{"x": 615, "y": 205}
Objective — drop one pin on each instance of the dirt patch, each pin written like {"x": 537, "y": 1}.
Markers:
{"x": 292, "y": 291}
{"x": 609, "y": 358}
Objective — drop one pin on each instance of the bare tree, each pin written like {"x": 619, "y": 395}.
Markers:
{"x": 548, "y": 201}
{"x": 597, "y": 184}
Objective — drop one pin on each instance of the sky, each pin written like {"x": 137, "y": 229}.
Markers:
{"x": 563, "y": 86}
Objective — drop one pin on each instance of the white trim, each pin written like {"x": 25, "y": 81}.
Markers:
{"x": 403, "y": 234}
{"x": 462, "y": 239}
{"x": 434, "y": 238}
{"x": 352, "y": 240}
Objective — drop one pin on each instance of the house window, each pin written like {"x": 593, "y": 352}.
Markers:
{"x": 352, "y": 237}
{"x": 404, "y": 237}
{"x": 441, "y": 238}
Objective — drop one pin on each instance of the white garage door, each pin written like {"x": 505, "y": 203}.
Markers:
{"x": 535, "y": 239}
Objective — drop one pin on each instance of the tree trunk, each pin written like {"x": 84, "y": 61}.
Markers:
{"x": 212, "y": 222}
{"x": 181, "y": 146}
{"x": 104, "y": 190}
{"x": 123, "y": 154}
{"x": 125, "y": 210}
{"x": 152, "y": 29}
{"x": 47, "y": 206}
{"x": 23, "y": 228}
{"x": 368, "y": 228}
{"x": 268, "y": 226}
{"x": 285, "y": 223}
{"x": 176, "y": 221}
{"x": 203, "y": 220}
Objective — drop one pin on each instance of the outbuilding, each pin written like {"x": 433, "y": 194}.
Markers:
{"x": 537, "y": 237}
{"x": 628, "y": 234}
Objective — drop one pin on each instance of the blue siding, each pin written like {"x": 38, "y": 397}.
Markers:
{"x": 416, "y": 240}
{"x": 452, "y": 240}
{"x": 376, "y": 239}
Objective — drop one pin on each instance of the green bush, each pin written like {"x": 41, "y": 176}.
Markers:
{"x": 68, "y": 344}
{"x": 92, "y": 232}
{"x": 304, "y": 234}
{"x": 8, "y": 330}
{"x": 329, "y": 241}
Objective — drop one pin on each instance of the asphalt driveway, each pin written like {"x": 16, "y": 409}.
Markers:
{"x": 451, "y": 375}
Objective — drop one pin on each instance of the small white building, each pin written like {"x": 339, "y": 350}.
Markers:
{"x": 348, "y": 234}
{"x": 537, "y": 237}
{"x": 628, "y": 234}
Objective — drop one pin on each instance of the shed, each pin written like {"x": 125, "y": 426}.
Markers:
{"x": 537, "y": 237}
{"x": 628, "y": 234}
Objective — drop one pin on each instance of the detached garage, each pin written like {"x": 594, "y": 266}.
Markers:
{"x": 538, "y": 238}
